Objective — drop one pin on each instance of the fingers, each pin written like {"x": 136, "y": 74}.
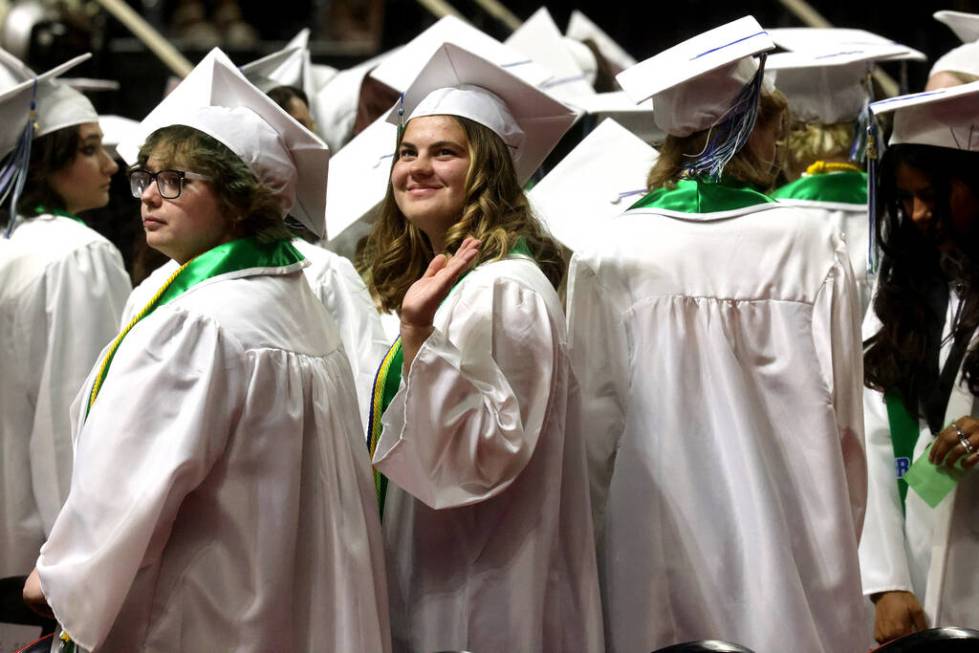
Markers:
{"x": 918, "y": 617}
{"x": 948, "y": 447}
{"x": 436, "y": 264}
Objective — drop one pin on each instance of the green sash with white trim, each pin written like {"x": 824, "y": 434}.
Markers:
{"x": 904, "y": 430}
{"x": 228, "y": 257}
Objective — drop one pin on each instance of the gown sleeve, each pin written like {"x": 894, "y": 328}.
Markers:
{"x": 599, "y": 347}
{"x": 883, "y": 558}
{"x": 836, "y": 333}
{"x": 160, "y": 422}
{"x": 84, "y": 297}
{"x": 468, "y": 416}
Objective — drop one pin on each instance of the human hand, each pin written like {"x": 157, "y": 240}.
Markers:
{"x": 425, "y": 295}
{"x": 34, "y": 597}
{"x": 897, "y": 614}
{"x": 958, "y": 439}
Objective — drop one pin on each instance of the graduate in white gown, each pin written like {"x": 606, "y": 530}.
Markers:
{"x": 716, "y": 337}
{"x": 62, "y": 291}
{"x": 918, "y": 560}
{"x": 482, "y": 471}
{"x": 335, "y": 281}
{"x": 221, "y": 497}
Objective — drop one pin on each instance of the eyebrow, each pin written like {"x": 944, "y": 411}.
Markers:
{"x": 92, "y": 137}
{"x": 434, "y": 145}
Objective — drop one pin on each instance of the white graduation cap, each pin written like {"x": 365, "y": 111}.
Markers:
{"x": 617, "y": 105}
{"x": 283, "y": 68}
{"x": 599, "y": 179}
{"x": 540, "y": 39}
{"x": 947, "y": 117}
{"x": 694, "y": 84}
{"x": 581, "y": 28}
{"x": 962, "y": 59}
{"x": 400, "y": 71}
{"x": 117, "y": 129}
{"x": 218, "y": 100}
{"x": 359, "y": 176}
{"x": 825, "y": 87}
{"x": 334, "y": 105}
{"x": 457, "y": 82}
{"x": 821, "y": 39}
{"x": 965, "y": 25}
{"x": 56, "y": 105}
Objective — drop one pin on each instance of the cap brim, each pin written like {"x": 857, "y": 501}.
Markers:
{"x": 964, "y": 25}
{"x": 359, "y": 177}
{"x": 399, "y": 72}
{"x": 596, "y": 181}
{"x": 695, "y": 57}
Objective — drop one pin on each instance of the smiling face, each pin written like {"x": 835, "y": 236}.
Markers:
{"x": 429, "y": 176}
{"x": 187, "y": 226}
{"x": 84, "y": 183}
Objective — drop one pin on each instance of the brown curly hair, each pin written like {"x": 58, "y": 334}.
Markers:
{"x": 253, "y": 208}
{"x": 495, "y": 211}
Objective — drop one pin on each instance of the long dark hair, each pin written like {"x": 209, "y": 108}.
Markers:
{"x": 49, "y": 154}
{"x": 912, "y": 267}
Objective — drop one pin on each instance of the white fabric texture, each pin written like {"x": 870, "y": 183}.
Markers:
{"x": 930, "y": 551}
{"x": 720, "y": 365}
{"x": 336, "y": 283}
{"x": 62, "y": 291}
{"x": 221, "y": 497}
{"x": 486, "y": 522}
{"x": 853, "y": 224}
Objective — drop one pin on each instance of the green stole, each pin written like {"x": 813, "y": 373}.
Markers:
{"x": 848, "y": 187}
{"x": 228, "y": 257}
{"x": 387, "y": 381}
{"x": 905, "y": 430}
{"x": 703, "y": 196}
{"x": 40, "y": 209}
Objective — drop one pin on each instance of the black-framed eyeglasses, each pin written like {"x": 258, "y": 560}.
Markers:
{"x": 168, "y": 182}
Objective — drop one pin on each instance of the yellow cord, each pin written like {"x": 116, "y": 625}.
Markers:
{"x": 819, "y": 167}
{"x": 122, "y": 334}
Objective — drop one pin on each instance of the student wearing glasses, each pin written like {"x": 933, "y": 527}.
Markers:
{"x": 221, "y": 497}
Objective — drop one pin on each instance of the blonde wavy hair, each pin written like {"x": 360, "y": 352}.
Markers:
{"x": 811, "y": 142}
{"x": 495, "y": 211}
{"x": 746, "y": 166}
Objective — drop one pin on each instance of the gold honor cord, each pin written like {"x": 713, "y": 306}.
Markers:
{"x": 104, "y": 367}
{"x": 820, "y": 167}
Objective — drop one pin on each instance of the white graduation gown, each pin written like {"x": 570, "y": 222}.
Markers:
{"x": 486, "y": 522}
{"x": 932, "y": 552}
{"x": 344, "y": 294}
{"x": 222, "y": 497}
{"x": 852, "y": 222}
{"x": 62, "y": 289}
{"x": 720, "y": 363}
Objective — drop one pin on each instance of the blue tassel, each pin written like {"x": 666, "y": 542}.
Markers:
{"x": 874, "y": 150}
{"x": 13, "y": 171}
{"x": 858, "y": 151}
{"x": 728, "y": 137}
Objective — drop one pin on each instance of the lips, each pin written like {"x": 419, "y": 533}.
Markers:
{"x": 150, "y": 223}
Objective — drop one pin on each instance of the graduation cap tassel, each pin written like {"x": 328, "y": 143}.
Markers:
{"x": 401, "y": 116}
{"x": 858, "y": 150}
{"x": 13, "y": 172}
{"x": 728, "y": 137}
{"x": 873, "y": 157}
